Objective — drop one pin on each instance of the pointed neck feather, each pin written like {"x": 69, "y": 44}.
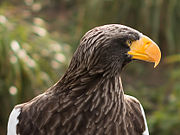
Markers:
{"x": 92, "y": 92}
{"x": 98, "y": 99}
{"x": 78, "y": 83}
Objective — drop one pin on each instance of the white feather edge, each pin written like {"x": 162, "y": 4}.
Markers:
{"x": 146, "y": 131}
{"x": 13, "y": 121}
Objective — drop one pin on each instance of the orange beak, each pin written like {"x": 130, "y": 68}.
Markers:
{"x": 145, "y": 49}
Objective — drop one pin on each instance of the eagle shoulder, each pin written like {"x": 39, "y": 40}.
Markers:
{"x": 130, "y": 99}
{"x": 13, "y": 121}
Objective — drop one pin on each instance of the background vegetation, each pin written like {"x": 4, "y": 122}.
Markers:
{"x": 38, "y": 38}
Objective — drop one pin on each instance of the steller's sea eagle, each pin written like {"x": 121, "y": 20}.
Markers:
{"x": 89, "y": 98}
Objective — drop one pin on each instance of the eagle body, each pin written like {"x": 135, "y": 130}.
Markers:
{"x": 89, "y": 98}
{"x": 96, "y": 112}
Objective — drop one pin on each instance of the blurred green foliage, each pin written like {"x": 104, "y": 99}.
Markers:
{"x": 38, "y": 37}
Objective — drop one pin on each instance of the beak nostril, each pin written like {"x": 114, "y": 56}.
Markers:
{"x": 147, "y": 44}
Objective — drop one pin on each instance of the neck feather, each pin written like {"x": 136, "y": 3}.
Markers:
{"x": 93, "y": 93}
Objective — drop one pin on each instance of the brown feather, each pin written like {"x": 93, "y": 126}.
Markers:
{"x": 89, "y": 99}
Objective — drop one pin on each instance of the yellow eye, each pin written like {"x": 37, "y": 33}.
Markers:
{"x": 129, "y": 42}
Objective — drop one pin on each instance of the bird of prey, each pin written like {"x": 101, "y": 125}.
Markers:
{"x": 89, "y": 98}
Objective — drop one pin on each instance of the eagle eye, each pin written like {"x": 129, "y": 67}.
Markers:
{"x": 129, "y": 42}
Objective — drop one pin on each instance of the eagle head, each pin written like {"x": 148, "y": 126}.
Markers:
{"x": 109, "y": 48}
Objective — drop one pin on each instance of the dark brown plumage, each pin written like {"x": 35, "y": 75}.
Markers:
{"x": 89, "y": 98}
